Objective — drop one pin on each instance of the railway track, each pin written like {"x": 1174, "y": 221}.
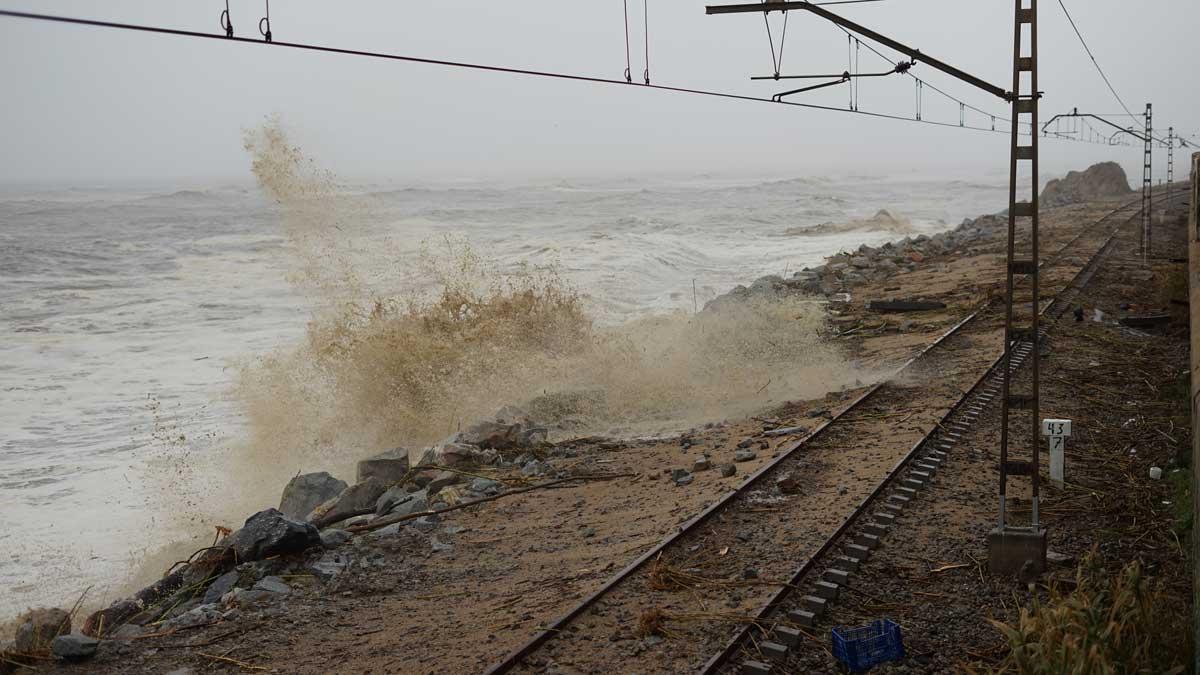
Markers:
{"x": 745, "y": 562}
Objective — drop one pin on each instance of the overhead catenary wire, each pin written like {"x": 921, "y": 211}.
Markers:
{"x": 176, "y": 32}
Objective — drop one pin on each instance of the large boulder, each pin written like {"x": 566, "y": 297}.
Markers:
{"x": 355, "y": 500}
{"x": 390, "y": 467}
{"x": 1106, "y": 179}
{"x": 37, "y": 628}
{"x": 103, "y": 622}
{"x": 493, "y": 435}
{"x": 308, "y": 491}
{"x": 74, "y": 647}
{"x": 268, "y": 533}
{"x": 464, "y": 454}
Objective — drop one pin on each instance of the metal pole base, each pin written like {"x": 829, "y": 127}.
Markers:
{"x": 1017, "y": 551}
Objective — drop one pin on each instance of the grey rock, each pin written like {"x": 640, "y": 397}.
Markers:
{"x": 701, "y": 464}
{"x": 419, "y": 502}
{"x": 460, "y": 454}
{"x": 440, "y": 547}
{"x": 273, "y": 585}
{"x": 589, "y": 532}
{"x": 533, "y": 468}
{"x": 269, "y": 533}
{"x": 486, "y": 486}
{"x": 394, "y": 497}
{"x": 224, "y": 583}
{"x": 860, "y": 261}
{"x": 330, "y": 565}
{"x": 353, "y": 501}
{"x": 493, "y": 435}
{"x": 682, "y": 477}
{"x": 334, "y": 538}
{"x": 744, "y": 456}
{"x": 74, "y": 647}
{"x": 196, "y": 616}
{"x": 390, "y": 467}
{"x": 427, "y": 523}
{"x": 442, "y": 480}
{"x": 37, "y": 628}
{"x": 308, "y": 491}
{"x": 129, "y": 632}
{"x": 727, "y": 470}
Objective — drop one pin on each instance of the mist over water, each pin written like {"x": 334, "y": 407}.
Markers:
{"x": 167, "y": 359}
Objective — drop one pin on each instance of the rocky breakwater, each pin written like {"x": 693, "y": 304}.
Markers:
{"x": 836, "y": 279}
{"x": 254, "y": 568}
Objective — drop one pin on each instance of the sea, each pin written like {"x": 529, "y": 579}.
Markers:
{"x": 126, "y": 312}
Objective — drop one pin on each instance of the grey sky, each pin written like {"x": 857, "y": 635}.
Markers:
{"x": 101, "y": 106}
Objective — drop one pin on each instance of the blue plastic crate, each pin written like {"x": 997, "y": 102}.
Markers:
{"x": 861, "y": 649}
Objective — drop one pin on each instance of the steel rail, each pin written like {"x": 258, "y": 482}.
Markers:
{"x": 514, "y": 657}
{"x": 1082, "y": 277}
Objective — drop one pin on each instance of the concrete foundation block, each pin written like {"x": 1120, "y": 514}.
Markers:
{"x": 914, "y": 483}
{"x": 868, "y": 541}
{"x": 1009, "y": 550}
{"x": 894, "y": 507}
{"x": 885, "y": 518}
{"x": 907, "y": 491}
{"x": 877, "y": 529}
{"x": 814, "y": 604}
{"x": 857, "y": 551}
{"x": 939, "y": 455}
{"x": 802, "y": 617}
{"x": 785, "y": 635}
{"x": 925, "y": 466}
{"x": 835, "y": 576}
{"x": 846, "y": 563}
{"x": 755, "y": 668}
{"x": 920, "y": 475}
{"x": 773, "y": 651}
{"x": 826, "y": 590}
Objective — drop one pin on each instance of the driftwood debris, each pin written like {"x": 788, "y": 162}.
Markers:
{"x": 890, "y": 306}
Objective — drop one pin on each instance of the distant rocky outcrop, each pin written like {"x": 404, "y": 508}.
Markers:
{"x": 1106, "y": 179}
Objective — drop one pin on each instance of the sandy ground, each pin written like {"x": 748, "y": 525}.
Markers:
{"x": 519, "y": 563}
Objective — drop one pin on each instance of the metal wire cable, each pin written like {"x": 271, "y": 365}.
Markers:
{"x": 1095, "y": 62}
{"x": 628, "y": 63}
{"x": 464, "y": 65}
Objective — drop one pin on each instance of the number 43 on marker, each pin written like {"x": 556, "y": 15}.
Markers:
{"x": 1056, "y": 433}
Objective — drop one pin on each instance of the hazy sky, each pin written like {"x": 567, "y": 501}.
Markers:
{"x": 89, "y": 105}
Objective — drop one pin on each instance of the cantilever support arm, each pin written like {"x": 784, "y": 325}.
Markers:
{"x": 1120, "y": 129}
{"x": 914, "y": 54}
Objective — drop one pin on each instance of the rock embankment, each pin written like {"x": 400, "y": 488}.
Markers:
{"x": 1106, "y": 179}
{"x": 843, "y": 271}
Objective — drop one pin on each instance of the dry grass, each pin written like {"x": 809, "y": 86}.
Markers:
{"x": 1110, "y": 623}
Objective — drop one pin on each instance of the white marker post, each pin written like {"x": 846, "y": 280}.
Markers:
{"x": 1057, "y": 432}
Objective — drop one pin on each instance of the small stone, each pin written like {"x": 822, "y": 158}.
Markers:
{"x": 701, "y": 464}
{"x": 682, "y": 477}
{"x": 221, "y": 586}
{"x": 750, "y": 573}
{"x": 273, "y": 585}
{"x": 74, "y": 647}
{"x": 533, "y": 468}
{"x": 440, "y": 547}
{"x": 727, "y": 470}
{"x": 485, "y": 485}
{"x": 744, "y": 456}
{"x": 334, "y": 538}
{"x": 842, "y": 489}
{"x": 788, "y": 485}
{"x": 589, "y": 532}
{"x": 442, "y": 480}
{"x": 426, "y": 523}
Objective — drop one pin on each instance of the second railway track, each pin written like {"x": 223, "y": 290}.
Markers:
{"x": 710, "y": 585}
